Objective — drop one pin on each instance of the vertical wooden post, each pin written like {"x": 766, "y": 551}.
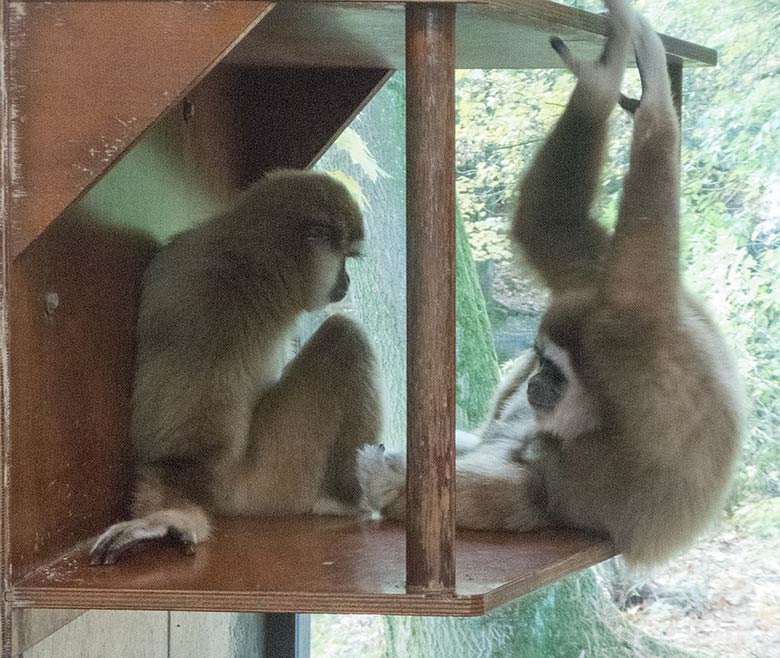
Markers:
{"x": 5, "y": 195}
{"x": 430, "y": 241}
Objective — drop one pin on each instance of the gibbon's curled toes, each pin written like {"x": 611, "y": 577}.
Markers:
{"x": 560, "y": 47}
{"x": 121, "y": 537}
{"x": 382, "y": 477}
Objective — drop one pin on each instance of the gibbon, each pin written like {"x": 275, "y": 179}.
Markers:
{"x": 626, "y": 418}
{"x": 219, "y": 423}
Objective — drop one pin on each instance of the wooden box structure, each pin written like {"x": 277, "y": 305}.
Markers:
{"x": 229, "y": 90}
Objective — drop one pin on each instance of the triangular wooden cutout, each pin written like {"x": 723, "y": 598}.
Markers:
{"x": 86, "y": 79}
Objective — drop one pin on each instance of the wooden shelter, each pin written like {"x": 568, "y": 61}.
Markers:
{"x": 232, "y": 89}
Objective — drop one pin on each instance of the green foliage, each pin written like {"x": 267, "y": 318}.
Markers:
{"x": 760, "y": 518}
{"x": 353, "y": 144}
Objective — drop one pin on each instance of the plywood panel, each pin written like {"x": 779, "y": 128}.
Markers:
{"x": 73, "y": 300}
{"x": 310, "y": 564}
{"x": 85, "y": 79}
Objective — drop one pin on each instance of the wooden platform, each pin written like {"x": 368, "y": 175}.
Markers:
{"x": 309, "y": 564}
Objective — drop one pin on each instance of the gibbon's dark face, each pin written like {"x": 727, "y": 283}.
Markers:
{"x": 560, "y": 403}
{"x": 547, "y": 385}
{"x": 339, "y": 291}
{"x": 328, "y": 252}
{"x": 319, "y": 226}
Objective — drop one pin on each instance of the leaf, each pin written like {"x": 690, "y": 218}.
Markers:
{"x": 353, "y": 145}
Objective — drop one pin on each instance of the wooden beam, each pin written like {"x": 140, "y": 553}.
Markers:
{"x": 430, "y": 235}
{"x": 5, "y": 182}
{"x": 492, "y": 34}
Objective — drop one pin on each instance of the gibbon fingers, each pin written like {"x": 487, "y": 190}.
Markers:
{"x": 220, "y": 422}
{"x": 626, "y": 419}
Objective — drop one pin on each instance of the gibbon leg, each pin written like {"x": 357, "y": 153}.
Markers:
{"x": 552, "y": 223}
{"x": 643, "y": 267}
{"x": 326, "y": 405}
{"x": 301, "y": 456}
{"x": 493, "y": 493}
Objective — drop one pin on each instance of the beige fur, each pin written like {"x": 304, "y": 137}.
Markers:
{"x": 221, "y": 423}
{"x": 643, "y": 448}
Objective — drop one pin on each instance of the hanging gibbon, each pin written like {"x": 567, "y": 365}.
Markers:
{"x": 626, "y": 418}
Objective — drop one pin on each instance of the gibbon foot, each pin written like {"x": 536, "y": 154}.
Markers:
{"x": 651, "y": 63}
{"x": 185, "y": 529}
{"x": 382, "y": 478}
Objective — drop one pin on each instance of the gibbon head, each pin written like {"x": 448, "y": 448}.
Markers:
{"x": 314, "y": 225}
{"x": 558, "y": 389}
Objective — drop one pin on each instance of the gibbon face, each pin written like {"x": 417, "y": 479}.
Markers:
{"x": 558, "y": 396}
{"x": 316, "y": 226}
{"x": 326, "y": 265}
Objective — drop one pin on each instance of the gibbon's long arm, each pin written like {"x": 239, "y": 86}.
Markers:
{"x": 553, "y": 224}
{"x": 643, "y": 265}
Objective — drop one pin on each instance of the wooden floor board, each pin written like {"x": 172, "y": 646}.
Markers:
{"x": 309, "y": 564}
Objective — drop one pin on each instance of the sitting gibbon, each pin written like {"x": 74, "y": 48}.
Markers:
{"x": 220, "y": 422}
{"x": 626, "y": 419}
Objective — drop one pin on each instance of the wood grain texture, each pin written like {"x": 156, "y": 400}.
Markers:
{"x": 494, "y": 34}
{"x": 74, "y": 293}
{"x": 87, "y": 78}
{"x": 5, "y": 185}
{"x": 430, "y": 298}
{"x": 309, "y": 564}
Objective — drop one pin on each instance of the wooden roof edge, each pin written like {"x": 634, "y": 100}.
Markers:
{"x": 547, "y": 11}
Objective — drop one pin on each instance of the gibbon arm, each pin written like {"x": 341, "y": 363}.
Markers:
{"x": 553, "y": 225}
{"x": 643, "y": 266}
